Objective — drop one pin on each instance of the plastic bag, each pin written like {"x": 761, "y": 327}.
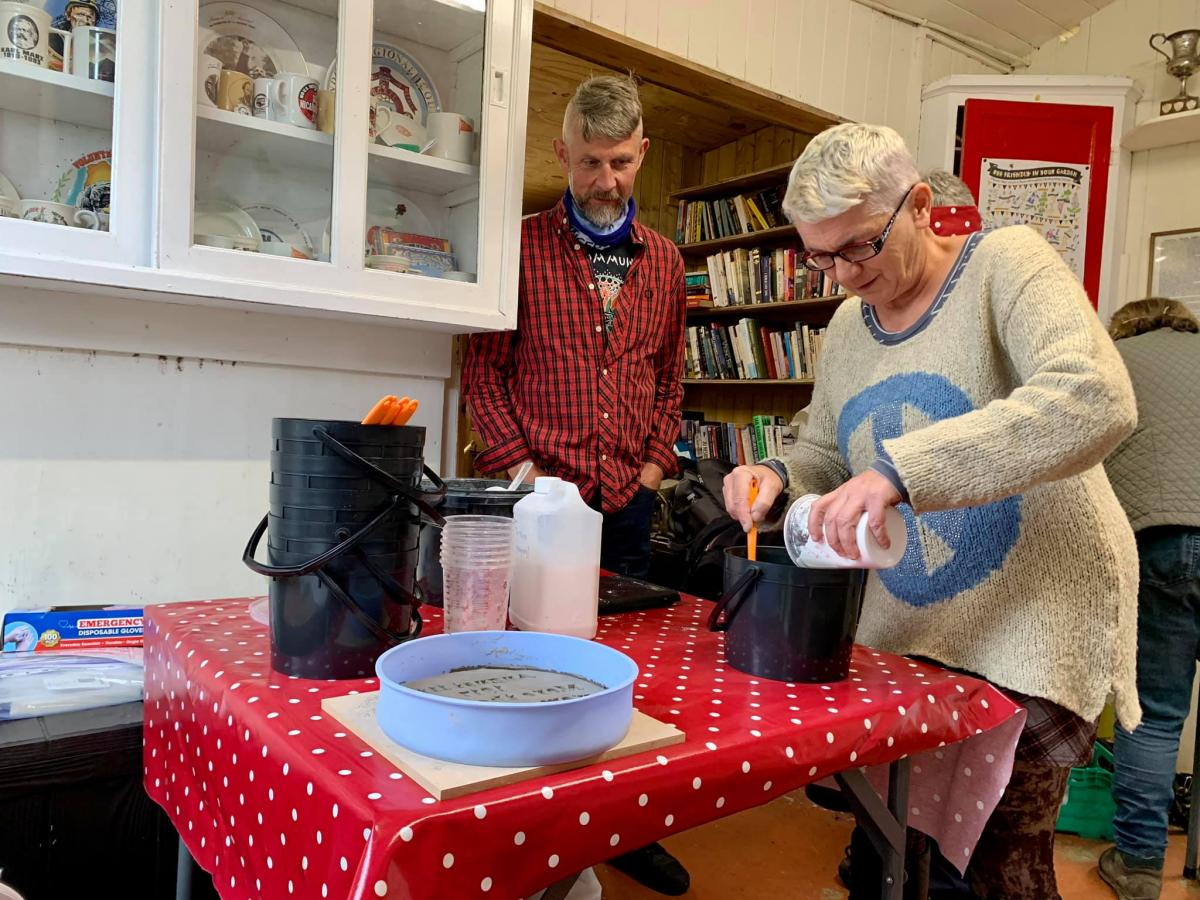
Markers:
{"x": 39, "y": 684}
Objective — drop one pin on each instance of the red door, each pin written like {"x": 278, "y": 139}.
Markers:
{"x": 1055, "y": 132}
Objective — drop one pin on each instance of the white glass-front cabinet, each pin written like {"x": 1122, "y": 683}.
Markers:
{"x": 75, "y": 102}
{"x": 347, "y": 155}
{"x": 333, "y": 157}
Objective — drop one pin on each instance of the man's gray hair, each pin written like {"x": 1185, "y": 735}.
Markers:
{"x": 847, "y": 165}
{"x": 948, "y": 189}
{"x": 606, "y": 106}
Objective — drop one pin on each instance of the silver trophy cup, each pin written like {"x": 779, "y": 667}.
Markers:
{"x": 1183, "y": 60}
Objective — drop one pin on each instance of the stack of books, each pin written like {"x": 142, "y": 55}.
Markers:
{"x": 750, "y": 349}
{"x": 746, "y": 276}
{"x": 765, "y": 436}
{"x": 720, "y": 217}
{"x": 699, "y": 294}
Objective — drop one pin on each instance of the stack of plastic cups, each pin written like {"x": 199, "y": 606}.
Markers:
{"x": 477, "y": 558}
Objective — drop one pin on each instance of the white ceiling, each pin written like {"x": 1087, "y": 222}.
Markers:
{"x": 1015, "y": 26}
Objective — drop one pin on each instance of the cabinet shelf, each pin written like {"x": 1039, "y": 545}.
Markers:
{"x": 281, "y": 145}
{"x": 34, "y": 91}
{"x": 777, "y": 235}
{"x": 287, "y": 147}
{"x": 405, "y": 169}
{"x": 742, "y": 382}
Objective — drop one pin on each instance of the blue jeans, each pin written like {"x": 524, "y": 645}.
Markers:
{"x": 625, "y": 537}
{"x": 1168, "y": 647}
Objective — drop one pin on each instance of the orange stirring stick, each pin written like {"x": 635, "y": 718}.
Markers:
{"x": 752, "y": 537}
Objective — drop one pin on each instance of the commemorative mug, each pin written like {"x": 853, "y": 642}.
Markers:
{"x": 94, "y": 53}
{"x": 379, "y": 118}
{"x": 294, "y": 100}
{"x": 263, "y": 88}
{"x": 208, "y": 80}
{"x": 453, "y": 136}
{"x": 326, "y": 110}
{"x": 235, "y": 92}
{"x": 25, "y": 33}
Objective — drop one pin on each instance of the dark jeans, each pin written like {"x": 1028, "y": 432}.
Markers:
{"x": 625, "y": 539}
{"x": 1168, "y": 646}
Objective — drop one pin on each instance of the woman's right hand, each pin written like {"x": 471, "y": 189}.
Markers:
{"x": 736, "y": 489}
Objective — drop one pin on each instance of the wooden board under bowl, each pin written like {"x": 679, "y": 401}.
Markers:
{"x": 447, "y": 780}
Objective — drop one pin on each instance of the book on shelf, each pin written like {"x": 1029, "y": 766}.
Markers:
{"x": 698, "y": 290}
{"x": 749, "y": 350}
{"x": 721, "y": 217}
{"x": 746, "y": 276}
{"x": 763, "y": 437}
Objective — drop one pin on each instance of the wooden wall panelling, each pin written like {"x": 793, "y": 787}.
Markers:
{"x": 743, "y": 157}
{"x": 648, "y": 188}
{"x": 740, "y": 403}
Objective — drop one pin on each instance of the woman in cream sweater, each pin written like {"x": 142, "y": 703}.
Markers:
{"x": 969, "y": 383}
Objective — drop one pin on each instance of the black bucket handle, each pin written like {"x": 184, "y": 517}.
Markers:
{"x": 382, "y": 634}
{"x": 386, "y": 478}
{"x": 732, "y": 600}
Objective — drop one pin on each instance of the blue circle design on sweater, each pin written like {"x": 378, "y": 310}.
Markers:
{"x": 950, "y": 551}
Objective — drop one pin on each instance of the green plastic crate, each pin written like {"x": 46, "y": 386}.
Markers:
{"x": 1089, "y": 808}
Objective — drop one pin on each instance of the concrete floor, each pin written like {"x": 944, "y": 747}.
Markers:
{"x": 789, "y": 850}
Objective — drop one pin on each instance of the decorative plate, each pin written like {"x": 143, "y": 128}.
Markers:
{"x": 87, "y": 182}
{"x": 102, "y": 13}
{"x": 275, "y": 225}
{"x": 229, "y": 221}
{"x": 249, "y": 41}
{"x": 8, "y": 190}
{"x": 399, "y": 80}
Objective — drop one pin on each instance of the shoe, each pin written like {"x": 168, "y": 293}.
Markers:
{"x": 653, "y": 867}
{"x": 1129, "y": 882}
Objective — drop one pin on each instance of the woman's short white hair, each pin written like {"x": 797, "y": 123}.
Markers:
{"x": 847, "y": 165}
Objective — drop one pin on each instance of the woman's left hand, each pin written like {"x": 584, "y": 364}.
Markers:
{"x": 835, "y": 516}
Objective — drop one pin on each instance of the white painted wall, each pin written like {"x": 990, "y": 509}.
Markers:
{"x": 1164, "y": 185}
{"x": 135, "y": 439}
{"x": 837, "y": 55}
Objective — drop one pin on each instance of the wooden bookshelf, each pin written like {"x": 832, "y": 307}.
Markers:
{"x": 780, "y": 235}
{"x": 784, "y": 310}
{"x": 757, "y": 382}
{"x": 738, "y": 184}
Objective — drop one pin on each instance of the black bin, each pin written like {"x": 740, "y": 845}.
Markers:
{"x": 342, "y": 538}
{"x": 787, "y": 623}
{"x": 463, "y": 497}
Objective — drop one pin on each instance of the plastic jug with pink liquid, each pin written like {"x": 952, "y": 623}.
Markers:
{"x": 556, "y": 561}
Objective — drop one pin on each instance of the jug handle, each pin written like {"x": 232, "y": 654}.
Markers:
{"x": 731, "y": 602}
{"x": 1156, "y": 49}
{"x": 386, "y": 478}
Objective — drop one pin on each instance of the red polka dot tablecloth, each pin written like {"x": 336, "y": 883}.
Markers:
{"x": 277, "y": 800}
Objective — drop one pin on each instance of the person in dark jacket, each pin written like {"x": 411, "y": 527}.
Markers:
{"x": 1156, "y": 475}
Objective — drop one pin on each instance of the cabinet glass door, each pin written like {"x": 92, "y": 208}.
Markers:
{"x": 264, "y": 152}
{"x": 58, "y": 72}
{"x": 425, "y": 122}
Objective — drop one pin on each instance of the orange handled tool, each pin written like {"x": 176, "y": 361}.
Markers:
{"x": 379, "y": 411}
{"x": 752, "y": 537}
{"x": 406, "y": 412}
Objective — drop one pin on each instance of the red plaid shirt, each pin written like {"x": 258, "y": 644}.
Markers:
{"x": 588, "y": 406}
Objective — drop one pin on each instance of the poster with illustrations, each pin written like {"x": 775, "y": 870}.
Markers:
{"x": 1051, "y": 197}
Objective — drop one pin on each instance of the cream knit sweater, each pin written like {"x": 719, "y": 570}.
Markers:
{"x": 1021, "y": 566}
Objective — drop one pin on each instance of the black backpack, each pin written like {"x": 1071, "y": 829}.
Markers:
{"x": 702, "y": 529}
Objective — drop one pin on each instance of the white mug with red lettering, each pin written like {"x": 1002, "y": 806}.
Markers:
{"x": 294, "y": 100}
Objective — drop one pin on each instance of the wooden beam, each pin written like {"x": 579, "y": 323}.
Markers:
{"x": 582, "y": 39}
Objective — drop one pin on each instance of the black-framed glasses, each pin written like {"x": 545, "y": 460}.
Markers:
{"x": 820, "y": 260}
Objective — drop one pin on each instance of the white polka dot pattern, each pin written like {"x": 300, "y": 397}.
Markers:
{"x": 271, "y": 796}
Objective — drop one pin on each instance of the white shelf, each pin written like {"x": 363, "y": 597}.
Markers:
{"x": 278, "y": 144}
{"x": 28, "y": 89}
{"x": 392, "y": 167}
{"x": 1164, "y": 131}
{"x": 441, "y": 24}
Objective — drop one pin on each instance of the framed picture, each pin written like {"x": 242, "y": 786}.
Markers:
{"x": 1175, "y": 266}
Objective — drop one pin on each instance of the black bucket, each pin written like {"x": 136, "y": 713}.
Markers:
{"x": 464, "y": 497}
{"x": 343, "y": 526}
{"x": 787, "y": 623}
